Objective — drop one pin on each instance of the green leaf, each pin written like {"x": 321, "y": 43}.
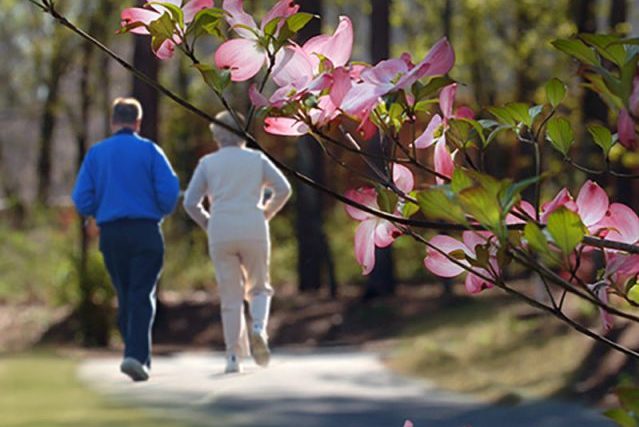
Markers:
{"x": 633, "y": 295}
{"x": 520, "y": 112}
{"x": 479, "y": 129}
{"x": 607, "y": 46}
{"x": 298, "y": 21}
{"x": 482, "y": 204}
{"x": 602, "y": 137}
{"x": 577, "y": 49}
{"x": 387, "y": 200}
{"x": 621, "y": 417}
{"x": 218, "y": 80}
{"x": 207, "y": 21}
{"x": 628, "y": 72}
{"x": 566, "y": 229}
{"x": 436, "y": 205}
{"x": 535, "y": 238}
{"x": 162, "y": 27}
{"x": 629, "y": 398}
{"x": 535, "y": 111}
{"x": 511, "y": 193}
{"x": 555, "y": 92}
{"x": 560, "y": 134}
{"x": 503, "y": 115}
{"x": 422, "y": 91}
{"x": 175, "y": 12}
{"x": 409, "y": 208}
{"x": 395, "y": 115}
{"x": 460, "y": 180}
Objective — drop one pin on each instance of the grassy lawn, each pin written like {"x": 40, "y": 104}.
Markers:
{"x": 42, "y": 390}
{"x": 486, "y": 347}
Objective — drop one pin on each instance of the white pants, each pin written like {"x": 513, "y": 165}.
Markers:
{"x": 242, "y": 272}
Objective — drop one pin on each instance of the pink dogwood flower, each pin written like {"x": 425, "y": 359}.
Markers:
{"x": 153, "y": 11}
{"x": 299, "y": 71}
{"x": 245, "y": 56}
{"x": 438, "y": 125}
{"x": 440, "y": 265}
{"x": 375, "y": 232}
{"x": 396, "y": 74}
{"x": 614, "y": 221}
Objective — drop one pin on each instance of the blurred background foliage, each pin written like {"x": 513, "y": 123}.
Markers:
{"x": 54, "y": 103}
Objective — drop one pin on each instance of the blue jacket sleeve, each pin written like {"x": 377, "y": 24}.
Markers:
{"x": 166, "y": 182}
{"x": 84, "y": 192}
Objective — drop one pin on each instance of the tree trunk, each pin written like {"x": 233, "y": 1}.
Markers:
{"x": 57, "y": 68}
{"x": 145, "y": 61}
{"x": 381, "y": 280}
{"x": 314, "y": 255}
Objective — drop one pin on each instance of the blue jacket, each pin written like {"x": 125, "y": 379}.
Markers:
{"x": 125, "y": 176}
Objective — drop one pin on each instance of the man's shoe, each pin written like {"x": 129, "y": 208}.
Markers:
{"x": 233, "y": 365}
{"x": 134, "y": 369}
{"x": 259, "y": 347}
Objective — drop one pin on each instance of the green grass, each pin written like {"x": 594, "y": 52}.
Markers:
{"x": 42, "y": 390}
{"x": 486, "y": 348}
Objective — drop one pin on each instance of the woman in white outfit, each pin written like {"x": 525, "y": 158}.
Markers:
{"x": 234, "y": 179}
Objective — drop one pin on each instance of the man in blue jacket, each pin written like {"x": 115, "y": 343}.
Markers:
{"x": 127, "y": 183}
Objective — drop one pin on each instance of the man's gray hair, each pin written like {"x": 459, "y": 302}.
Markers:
{"x": 126, "y": 111}
{"x": 224, "y": 137}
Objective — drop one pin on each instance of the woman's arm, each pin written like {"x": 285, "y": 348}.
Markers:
{"x": 279, "y": 185}
{"x": 194, "y": 194}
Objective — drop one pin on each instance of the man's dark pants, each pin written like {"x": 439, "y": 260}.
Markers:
{"x": 133, "y": 251}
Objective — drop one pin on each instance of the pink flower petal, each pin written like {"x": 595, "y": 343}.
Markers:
{"x": 464, "y": 112}
{"x": 194, "y": 7}
{"x": 522, "y": 208}
{"x": 475, "y": 284}
{"x": 366, "y": 196}
{"x": 137, "y": 14}
{"x": 363, "y": 97}
{"x": 561, "y": 199}
{"x": 385, "y": 233}
{"x": 285, "y": 126}
{"x": 473, "y": 238}
{"x": 282, "y": 9}
{"x": 427, "y": 138}
{"x": 337, "y": 48}
{"x": 439, "y": 60}
{"x": 626, "y": 130}
{"x": 166, "y": 50}
{"x": 342, "y": 84}
{"x": 592, "y": 203}
{"x": 385, "y": 71}
{"x": 403, "y": 178}
{"x": 439, "y": 264}
{"x": 447, "y": 99}
{"x": 236, "y": 17}
{"x": 292, "y": 65}
{"x": 367, "y": 129}
{"x": 623, "y": 223}
{"x": 365, "y": 245}
{"x": 257, "y": 99}
{"x": 444, "y": 164}
{"x": 245, "y": 58}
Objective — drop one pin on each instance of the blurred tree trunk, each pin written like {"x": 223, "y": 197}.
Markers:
{"x": 58, "y": 65}
{"x": 94, "y": 319}
{"x": 145, "y": 61}
{"x": 381, "y": 280}
{"x": 314, "y": 255}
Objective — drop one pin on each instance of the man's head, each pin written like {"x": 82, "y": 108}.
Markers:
{"x": 224, "y": 137}
{"x": 126, "y": 113}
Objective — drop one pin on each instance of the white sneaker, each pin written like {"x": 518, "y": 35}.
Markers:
{"x": 259, "y": 347}
{"x": 233, "y": 365}
{"x": 134, "y": 369}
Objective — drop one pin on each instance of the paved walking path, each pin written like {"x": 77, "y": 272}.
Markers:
{"x": 338, "y": 388}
